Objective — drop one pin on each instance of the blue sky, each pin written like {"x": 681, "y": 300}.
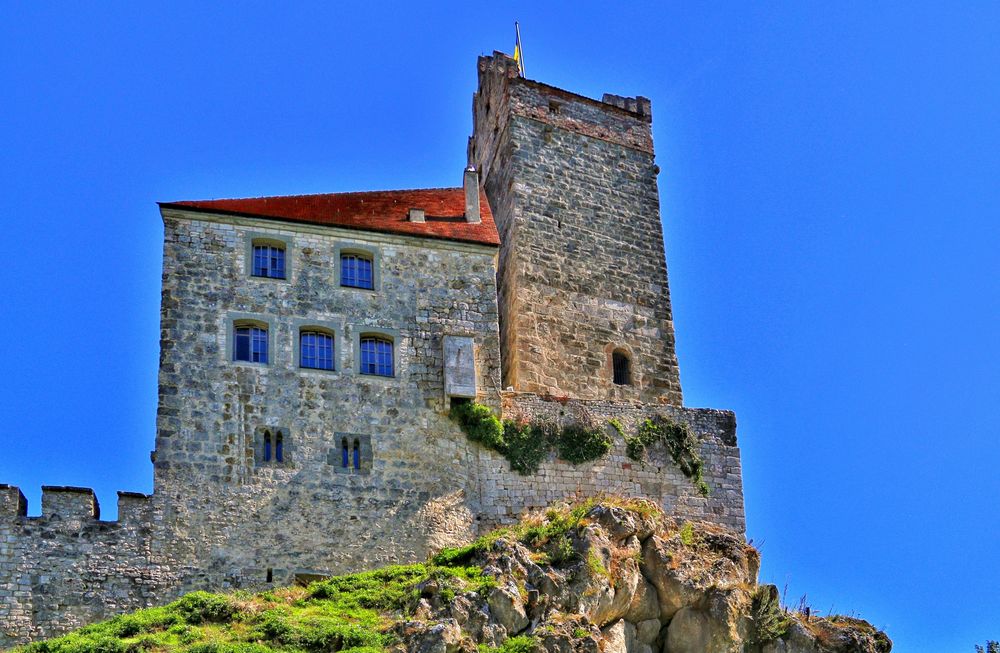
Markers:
{"x": 830, "y": 199}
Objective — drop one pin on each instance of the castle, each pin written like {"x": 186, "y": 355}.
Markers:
{"x": 312, "y": 346}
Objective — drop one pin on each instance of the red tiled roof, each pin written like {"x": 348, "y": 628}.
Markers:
{"x": 384, "y": 211}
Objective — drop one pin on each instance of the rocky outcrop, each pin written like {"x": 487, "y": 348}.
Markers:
{"x": 608, "y": 576}
{"x": 619, "y": 577}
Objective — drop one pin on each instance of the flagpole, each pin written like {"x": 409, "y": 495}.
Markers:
{"x": 520, "y": 50}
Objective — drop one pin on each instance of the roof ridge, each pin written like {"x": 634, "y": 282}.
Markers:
{"x": 351, "y": 192}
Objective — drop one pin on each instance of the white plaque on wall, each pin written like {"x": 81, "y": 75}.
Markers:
{"x": 459, "y": 367}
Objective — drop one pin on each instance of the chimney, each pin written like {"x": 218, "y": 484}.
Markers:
{"x": 416, "y": 215}
{"x": 472, "y": 195}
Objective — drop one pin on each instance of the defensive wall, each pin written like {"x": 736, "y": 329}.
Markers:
{"x": 67, "y": 567}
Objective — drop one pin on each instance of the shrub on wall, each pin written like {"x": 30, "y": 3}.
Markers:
{"x": 525, "y": 445}
{"x": 480, "y": 424}
{"x": 578, "y": 443}
{"x": 679, "y": 441}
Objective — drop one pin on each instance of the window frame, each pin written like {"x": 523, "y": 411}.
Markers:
{"x": 329, "y": 327}
{"x": 265, "y": 456}
{"x": 344, "y": 248}
{"x": 629, "y": 371}
{"x": 256, "y": 238}
{"x": 365, "y": 454}
{"x": 236, "y": 320}
{"x": 362, "y": 333}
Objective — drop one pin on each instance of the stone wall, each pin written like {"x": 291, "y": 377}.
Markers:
{"x": 582, "y": 273}
{"x": 305, "y": 515}
{"x": 656, "y": 477}
{"x": 67, "y": 568}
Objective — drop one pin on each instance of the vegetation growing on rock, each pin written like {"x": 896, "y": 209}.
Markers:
{"x": 608, "y": 575}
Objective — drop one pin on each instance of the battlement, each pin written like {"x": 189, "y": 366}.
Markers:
{"x": 69, "y": 502}
{"x": 12, "y": 501}
{"x": 638, "y": 105}
{"x": 64, "y": 502}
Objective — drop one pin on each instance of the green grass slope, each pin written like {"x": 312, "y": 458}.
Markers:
{"x": 352, "y": 613}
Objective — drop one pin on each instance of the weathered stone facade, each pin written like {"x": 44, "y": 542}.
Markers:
{"x": 581, "y": 274}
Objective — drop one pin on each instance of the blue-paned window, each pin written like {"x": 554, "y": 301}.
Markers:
{"x": 357, "y": 455}
{"x": 356, "y": 271}
{"x": 279, "y": 446}
{"x": 376, "y": 356}
{"x": 269, "y": 261}
{"x": 316, "y": 350}
{"x": 345, "y": 454}
{"x": 250, "y": 344}
{"x": 267, "y": 446}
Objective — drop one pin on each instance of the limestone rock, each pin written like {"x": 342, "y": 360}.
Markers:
{"x": 647, "y": 631}
{"x": 508, "y": 609}
{"x": 614, "y": 638}
{"x": 444, "y": 637}
{"x": 672, "y": 592}
{"x": 645, "y": 605}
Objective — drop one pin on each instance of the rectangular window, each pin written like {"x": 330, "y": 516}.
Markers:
{"x": 316, "y": 350}
{"x": 356, "y": 271}
{"x": 269, "y": 261}
{"x": 250, "y": 344}
{"x": 376, "y": 356}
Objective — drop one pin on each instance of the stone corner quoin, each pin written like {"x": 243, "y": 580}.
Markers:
{"x": 312, "y": 347}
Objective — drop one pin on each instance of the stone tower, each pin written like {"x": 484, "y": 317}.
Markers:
{"x": 582, "y": 275}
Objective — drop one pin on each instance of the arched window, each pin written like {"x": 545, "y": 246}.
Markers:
{"x": 376, "y": 356}
{"x": 250, "y": 343}
{"x": 268, "y": 260}
{"x": 267, "y": 446}
{"x": 357, "y": 455}
{"x": 356, "y": 271}
{"x": 279, "y": 446}
{"x": 344, "y": 461}
{"x": 316, "y": 350}
{"x": 622, "y": 368}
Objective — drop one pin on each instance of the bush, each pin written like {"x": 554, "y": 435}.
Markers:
{"x": 680, "y": 442}
{"x": 525, "y": 445}
{"x": 769, "y": 622}
{"x": 579, "y": 444}
{"x": 200, "y": 607}
{"x": 480, "y": 424}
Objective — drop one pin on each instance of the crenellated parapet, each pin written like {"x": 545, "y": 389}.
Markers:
{"x": 66, "y": 567}
{"x": 79, "y": 505}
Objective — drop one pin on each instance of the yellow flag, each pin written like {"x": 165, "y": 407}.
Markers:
{"x": 518, "y": 55}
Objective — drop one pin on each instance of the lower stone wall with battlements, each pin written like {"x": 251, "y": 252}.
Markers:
{"x": 67, "y": 567}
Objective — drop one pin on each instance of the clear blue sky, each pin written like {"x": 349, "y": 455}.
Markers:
{"x": 830, "y": 198}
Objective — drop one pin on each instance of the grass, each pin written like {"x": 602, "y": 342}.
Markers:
{"x": 351, "y": 613}
{"x": 520, "y": 644}
{"x": 687, "y": 534}
{"x": 769, "y": 621}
